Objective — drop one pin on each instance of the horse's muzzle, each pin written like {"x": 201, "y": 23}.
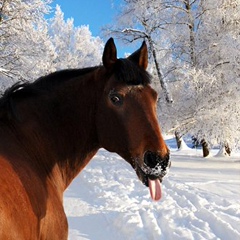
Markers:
{"x": 154, "y": 166}
{"x": 151, "y": 159}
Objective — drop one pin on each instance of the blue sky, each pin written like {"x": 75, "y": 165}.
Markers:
{"x": 95, "y": 13}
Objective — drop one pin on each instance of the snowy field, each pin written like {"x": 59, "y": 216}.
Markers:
{"x": 201, "y": 200}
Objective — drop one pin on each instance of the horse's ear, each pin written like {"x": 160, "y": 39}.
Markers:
{"x": 140, "y": 56}
{"x": 109, "y": 54}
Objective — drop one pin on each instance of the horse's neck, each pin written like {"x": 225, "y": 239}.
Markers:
{"x": 75, "y": 134}
{"x": 63, "y": 132}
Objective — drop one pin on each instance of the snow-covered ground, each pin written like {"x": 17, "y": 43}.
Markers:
{"x": 201, "y": 200}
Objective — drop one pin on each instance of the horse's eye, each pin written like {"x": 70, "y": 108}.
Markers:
{"x": 116, "y": 99}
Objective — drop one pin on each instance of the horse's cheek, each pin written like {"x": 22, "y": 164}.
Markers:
{"x": 110, "y": 130}
{"x": 103, "y": 125}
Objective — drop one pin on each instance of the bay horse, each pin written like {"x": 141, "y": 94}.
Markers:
{"x": 51, "y": 128}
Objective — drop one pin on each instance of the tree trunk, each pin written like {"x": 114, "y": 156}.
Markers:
{"x": 205, "y": 148}
{"x": 227, "y": 149}
{"x": 159, "y": 73}
{"x": 191, "y": 32}
{"x": 178, "y": 139}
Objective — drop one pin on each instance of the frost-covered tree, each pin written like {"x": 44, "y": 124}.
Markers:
{"x": 211, "y": 111}
{"x": 217, "y": 73}
{"x": 75, "y": 47}
{"x": 32, "y": 46}
{"x": 22, "y": 31}
{"x": 212, "y": 49}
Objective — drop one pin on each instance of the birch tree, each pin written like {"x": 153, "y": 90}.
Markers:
{"x": 22, "y": 29}
{"x": 75, "y": 47}
{"x": 209, "y": 103}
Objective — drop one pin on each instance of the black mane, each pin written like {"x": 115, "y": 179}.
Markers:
{"x": 62, "y": 75}
{"x": 42, "y": 84}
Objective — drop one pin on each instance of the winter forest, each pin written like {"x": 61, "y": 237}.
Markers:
{"x": 194, "y": 48}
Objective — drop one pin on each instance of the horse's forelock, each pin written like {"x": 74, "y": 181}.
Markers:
{"x": 128, "y": 72}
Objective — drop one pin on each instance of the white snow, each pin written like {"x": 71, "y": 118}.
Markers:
{"x": 3, "y": 70}
{"x": 201, "y": 200}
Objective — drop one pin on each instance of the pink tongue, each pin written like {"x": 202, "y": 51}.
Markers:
{"x": 155, "y": 189}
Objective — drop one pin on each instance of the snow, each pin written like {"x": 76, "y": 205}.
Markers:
{"x": 3, "y": 70}
{"x": 200, "y": 200}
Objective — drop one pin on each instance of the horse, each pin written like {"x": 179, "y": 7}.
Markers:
{"x": 52, "y": 127}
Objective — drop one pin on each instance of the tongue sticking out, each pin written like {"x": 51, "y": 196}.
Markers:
{"x": 155, "y": 189}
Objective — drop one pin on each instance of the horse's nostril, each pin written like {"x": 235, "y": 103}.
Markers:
{"x": 151, "y": 159}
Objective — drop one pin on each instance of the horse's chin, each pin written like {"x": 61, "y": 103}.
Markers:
{"x": 150, "y": 177}
{"x": 144, "y": 178}
{"x": 153, "y": 182}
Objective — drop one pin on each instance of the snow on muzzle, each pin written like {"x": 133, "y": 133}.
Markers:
{"x": 152, "y": 171}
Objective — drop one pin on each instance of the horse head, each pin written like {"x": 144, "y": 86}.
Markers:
{"x": 126, "y": 118}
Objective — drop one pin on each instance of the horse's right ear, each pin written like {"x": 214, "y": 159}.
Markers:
{"x": 109, "y": 54}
